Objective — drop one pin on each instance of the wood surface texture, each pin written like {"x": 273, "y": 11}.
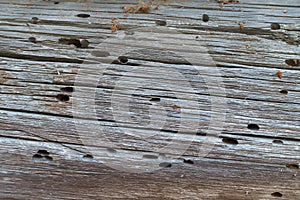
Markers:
{"x": 243, "y": 95}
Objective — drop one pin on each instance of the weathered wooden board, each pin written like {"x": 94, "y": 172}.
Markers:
{"x": 232, "y": 69}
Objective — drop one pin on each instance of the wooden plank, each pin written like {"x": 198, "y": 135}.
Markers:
{"x": 44, "y": 149}
{"x": 70, "y": 175}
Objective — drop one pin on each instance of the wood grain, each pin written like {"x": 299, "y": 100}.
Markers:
{"x": 46, "y": 155}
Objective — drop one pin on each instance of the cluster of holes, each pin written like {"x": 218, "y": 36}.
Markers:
{"x": 42, "y": 155}
{"x": 76, "y": 42}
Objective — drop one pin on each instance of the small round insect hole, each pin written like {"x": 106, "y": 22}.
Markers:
{"x": 276, "y": 194}
{"x": 160, "y": 23}
{"x": 254, "y": 127}
{"x": 123, "y": 59}
{"x": 62, "y": 97}
{"x": 32, "y": 39}
{"x": 275, "y": 26}
{"x": 205, "y": 18}
{"x": 34, "y": 20}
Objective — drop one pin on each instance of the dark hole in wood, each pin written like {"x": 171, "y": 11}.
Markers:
{"x": 69, "y": 41}
{"x": 56, "y": 2}
{"x": 34, "y": 20}
{"x": 160, "y": 23}
{"x": 190, "y": 162}
{"x": 200, "y": 133}
{"x": 111, "y": 150}
{"x": 197, "y": 37}
{"x": 37, "y": 156}
{"x": 277, "y": 142}
{"x": 254, "y": 127}
{"x": 100, "y": 53}
{"x": 169, "y": 131}
{"x": 275, "y": 26}
{"x": 82, "y": 15}
{"x": 85, "y": 43}
{"x": 63, "y": 97}
{"x": 67, "y": 89}
{"x": 43, "y": 152}
{"x": 149, "y": 156}
{"x": 232, "y": 141}
{"x": 276, "y": 194}
{"x": 89, "y": 156}
{"x": 205, "y": 18}
{"x": 292, "y": 62}
{"x": 123, "y": 59}
{"x": 284, "y": 92}
{"x": 49, "y": 158}
{"x": 133, "y": 64}
{"x": 155, "y": 99}
{"x": 32, "y": 39}
{"x": 292, "y": 166}
{"x": 165, "y": 164}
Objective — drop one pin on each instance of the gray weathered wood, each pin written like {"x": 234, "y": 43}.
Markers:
{"x": 32, "y": 118}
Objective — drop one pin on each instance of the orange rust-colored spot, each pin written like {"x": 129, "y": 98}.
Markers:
{"x": 116, "y": 25}
{"x": 241, "y": 24}
{"x": 228, "y": 1}
{"x": 279, "y": 74}
{"x": 175, "y": 107}
{"x": 141, "y": 7}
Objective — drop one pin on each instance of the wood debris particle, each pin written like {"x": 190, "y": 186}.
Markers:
{"x": 241, "y": 24}
{"x": 141, "y": 7}
{"x": 175, "y": 107}
{"x": 279, "y": 74}
{"x": 248, "y": 46}
{"x": 116, "y": 25}
{"x": 228, "y": 1}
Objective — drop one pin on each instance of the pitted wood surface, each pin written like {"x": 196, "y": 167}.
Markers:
{"x": 36, "y": 94}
